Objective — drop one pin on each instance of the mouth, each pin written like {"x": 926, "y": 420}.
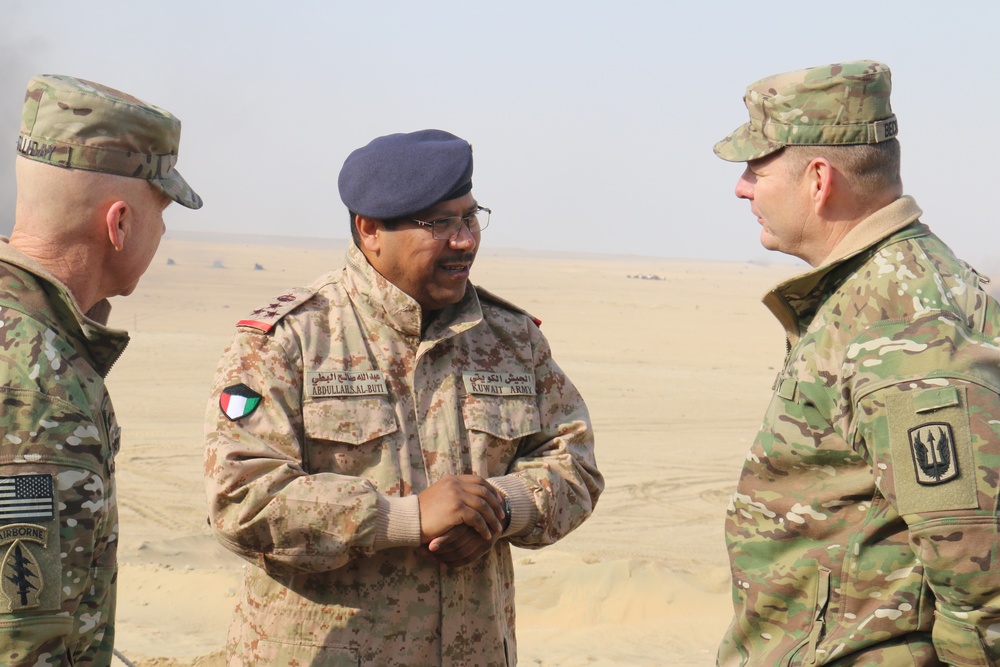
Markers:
{"x": 456, "y": 268}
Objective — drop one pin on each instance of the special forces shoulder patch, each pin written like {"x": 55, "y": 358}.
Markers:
{"x": 21, "y": 579}
{"x": 25, "y": 501}
{"x": 932, "y": 447}
{"x": 238, "y": 401}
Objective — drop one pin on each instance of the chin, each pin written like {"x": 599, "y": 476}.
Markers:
{"x": 443, "y": 301}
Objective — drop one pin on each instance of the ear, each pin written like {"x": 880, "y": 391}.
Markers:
{"x": 118, "y": 219}
{"x": 819, "y": 175}
{"x": 368, "y": 233}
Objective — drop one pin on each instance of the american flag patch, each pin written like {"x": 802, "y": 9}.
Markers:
{"x": 26, "y": 497}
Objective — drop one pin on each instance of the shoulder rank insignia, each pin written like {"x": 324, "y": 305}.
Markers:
{"x": 238, "y": 401}
{"x": 486, "y": 295}
{"x": 265, "y": 318}
{"x": 933, "y": 449}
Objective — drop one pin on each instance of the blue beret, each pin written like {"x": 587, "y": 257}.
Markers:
{"x": 400, "y": 174}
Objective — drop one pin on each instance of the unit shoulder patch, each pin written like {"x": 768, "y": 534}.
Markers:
{"x": 486, "y": 295}
{"x": 930, "y": 444}
{"x": 932, "y": 447}
{"x": 265, "y": 318}
{"x": 21, "y": 581}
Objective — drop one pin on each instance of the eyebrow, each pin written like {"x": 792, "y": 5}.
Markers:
{"x": 444, "y": 214}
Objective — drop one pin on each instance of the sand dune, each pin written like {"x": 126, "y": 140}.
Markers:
{"x": 676, "y": 373}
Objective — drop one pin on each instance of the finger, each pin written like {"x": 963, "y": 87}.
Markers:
{"x": 461, "y": 548}
{"x": 466, "y": 548}
{"x": 488, "y": 502}
{"x": 449, "y": 539}
{"x": 472, "y": 557}
{"x": 483, "y": 522}
{"x": 492, "y": 497}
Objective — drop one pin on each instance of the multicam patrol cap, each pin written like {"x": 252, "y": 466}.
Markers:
{"x": 832, "y": 105}
{"x": 77, "y": 124}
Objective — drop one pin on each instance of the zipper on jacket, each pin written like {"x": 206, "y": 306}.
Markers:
{"x": 820, "y": 603}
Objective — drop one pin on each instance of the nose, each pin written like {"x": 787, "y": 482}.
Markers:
{"x": 464, "y": 239}
{"x": 744, "y": 186}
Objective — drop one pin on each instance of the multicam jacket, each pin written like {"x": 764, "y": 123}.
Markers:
{"x": 330, "y": 412}
{"x": 58, "y": 437}
{"x": 864, "y": 527}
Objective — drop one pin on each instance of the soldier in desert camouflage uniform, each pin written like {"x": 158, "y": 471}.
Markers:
{"x": 864, "y": 527}
{"x": 94, "y": 172}
{"x": 378, "y": 440}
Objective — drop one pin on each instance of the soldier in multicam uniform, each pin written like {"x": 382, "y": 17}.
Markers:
{"x": 95, "y": 170}
{"x": 378, "y": 440}
{"x": 864, "y": 527}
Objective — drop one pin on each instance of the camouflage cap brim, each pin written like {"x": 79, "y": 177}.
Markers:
{"x": 745, "y": 144}
{"x": 175, "y": 187}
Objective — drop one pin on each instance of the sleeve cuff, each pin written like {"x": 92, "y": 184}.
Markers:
{"x": 523, "y": 513}
{"x": 398, "y": 523}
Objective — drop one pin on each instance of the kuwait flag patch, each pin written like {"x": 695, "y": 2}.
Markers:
{"x": 238, "y": 400}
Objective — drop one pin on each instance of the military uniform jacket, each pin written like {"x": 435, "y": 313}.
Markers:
{"x": 864, "y": 527}
{"x": 58, "y": 517}
{"x": 344, "y": 412}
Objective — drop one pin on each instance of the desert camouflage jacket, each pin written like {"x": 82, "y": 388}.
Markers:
{"x": 58, "y": 437}
{"x": 864, "y": 527}
{"x": 330, "y": 412}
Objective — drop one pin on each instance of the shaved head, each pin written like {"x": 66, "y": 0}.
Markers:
{"x": 94, "y": 232}
{"x": 61, "y": 204}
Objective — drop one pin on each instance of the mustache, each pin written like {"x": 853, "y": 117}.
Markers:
{"x": 461, "y": 258}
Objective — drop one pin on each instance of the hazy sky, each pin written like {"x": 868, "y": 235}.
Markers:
{"x": 592, "y": 122}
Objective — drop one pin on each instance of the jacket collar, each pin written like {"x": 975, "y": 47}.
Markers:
{"x": 58, "y": 309}
{"x": 789, "y": 299}
{"x": 381, "y": 300}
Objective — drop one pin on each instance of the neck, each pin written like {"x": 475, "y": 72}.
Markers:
{"x": 841, "y": 217}
{"x": 63, "y": 263}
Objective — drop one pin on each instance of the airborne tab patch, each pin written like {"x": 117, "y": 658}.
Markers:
{"x": 932, "y": 447}
{"x": 238, "y": 401}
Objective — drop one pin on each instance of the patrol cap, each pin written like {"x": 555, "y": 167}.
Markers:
{"x": 77, "y": 124}
{"x": 400, "y": 174}
{"x": 832, "y": 105}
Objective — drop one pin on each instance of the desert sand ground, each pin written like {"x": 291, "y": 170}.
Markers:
{"x": 676, "y": 373}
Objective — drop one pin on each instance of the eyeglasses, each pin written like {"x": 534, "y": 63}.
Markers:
{"x": 445, "y": 229}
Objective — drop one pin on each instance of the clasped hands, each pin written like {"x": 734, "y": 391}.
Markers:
{"x": 461, "y": 518}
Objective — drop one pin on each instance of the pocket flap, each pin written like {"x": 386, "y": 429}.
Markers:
{"x": 504, "y": 417}
{"x": 353, "y": 420}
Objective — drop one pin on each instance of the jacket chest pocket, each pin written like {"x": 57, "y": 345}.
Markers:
{"x": 495, "y": 426}
{"x": 352, "y": 436}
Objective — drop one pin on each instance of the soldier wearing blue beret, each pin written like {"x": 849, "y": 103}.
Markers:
{"x": 378, "y": 440}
